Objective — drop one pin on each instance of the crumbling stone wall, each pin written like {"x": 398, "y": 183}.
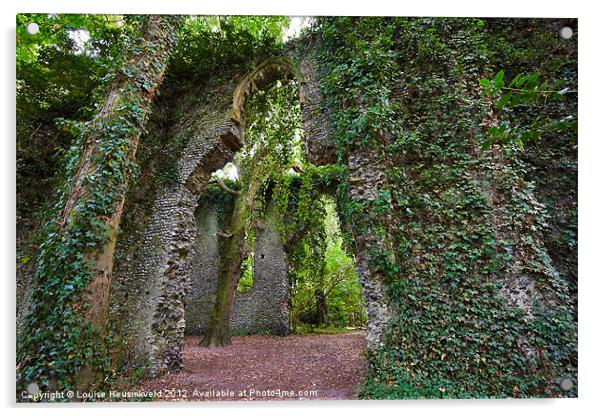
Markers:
{"x": 265, "y": 307}
{"x": 26, "y": 267}
{"x": 149, "y": 290}
{"x": 153, "y": 267}
{"x": 366, "y": 178}
{"x": 262, "y": 309}
{"x": 203, "y": 277}
{"x": 320, "y": 148}
{"x": 155, "y": 261}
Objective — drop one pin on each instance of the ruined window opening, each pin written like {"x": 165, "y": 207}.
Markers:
{"x": 259, "y": 145}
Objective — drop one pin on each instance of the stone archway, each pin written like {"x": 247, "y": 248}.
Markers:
{"x": 148, "y": 298}
{"x": 264, "y": 75}
{"x": 150, "y": 319}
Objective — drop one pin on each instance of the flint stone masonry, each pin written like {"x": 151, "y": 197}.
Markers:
{"x": 366, "y": 178}
{"x": 262, "y": 309}
{"x": 265, "y": 308}
{"x": 151, "y": 281}
{"x": 203, "y": 280}
{"x": 320, "y": 148}
{"x": 150, "y": 319}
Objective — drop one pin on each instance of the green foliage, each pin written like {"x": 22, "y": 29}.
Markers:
{"x": 272, "y": 147}
{"x": 344, "y": 300}
{"x": 310, "y": 329}
{"x": 523, "y": 92}
{"x": 246, "y": 278}
{"x": 550, "y": 163}
{"x": 274, "y": 137}
{"x": 57, "y": 341}
{"x": 106, "y": 34}
{"x": 59, "y": 79}
{"x": 212, "y": 43}
{"x": 273, "y": 160}
{"x": 454, "y": 225}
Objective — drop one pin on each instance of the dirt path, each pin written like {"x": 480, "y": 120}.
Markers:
{"x": 259, "y": 367}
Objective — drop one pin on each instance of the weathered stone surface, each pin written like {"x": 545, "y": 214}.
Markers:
{"x": 151, "y": 282}
{"x": 265, "y": 307}
{"x": 205, "y": 267}
{"x": 320, "y": 147}
{"x": 26, "y": 268}
{"x": 150, "y": 311}
{"x": 366, "y": 179}
{"x": 262, "y": 309}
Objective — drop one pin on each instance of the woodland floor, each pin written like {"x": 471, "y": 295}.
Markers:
{"x": 255, "y": 367}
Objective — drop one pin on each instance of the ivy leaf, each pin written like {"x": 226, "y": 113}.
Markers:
{"x": 502, "y": 102}
{"x": 486, "y": 145}
{"x": 514, "y": 81}
{"x": 498, "y": 81}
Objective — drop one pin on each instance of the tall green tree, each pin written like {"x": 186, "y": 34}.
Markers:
{"x": 271, "y": 148}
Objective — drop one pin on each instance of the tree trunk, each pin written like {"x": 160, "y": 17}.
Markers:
{"x": 76, "y": 260}
{"x": 232, "y": 254}
{"x": 320, "y": 306}
{"x": 130, "y": 97}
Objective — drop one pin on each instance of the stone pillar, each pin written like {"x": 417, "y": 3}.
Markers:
{"x": 205, "y": 267}
{"x": 262, "y": 309}
{"x": 265, "y": 307}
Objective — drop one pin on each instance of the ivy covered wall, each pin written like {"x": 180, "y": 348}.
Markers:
{"x": 465, "y": 258}
{"x": 456, "y": 238}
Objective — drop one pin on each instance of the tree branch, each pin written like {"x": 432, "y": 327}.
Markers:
{"x": 225, "y": 187}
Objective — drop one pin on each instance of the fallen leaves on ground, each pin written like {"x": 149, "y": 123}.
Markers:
{"x": 262, "y": 367}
